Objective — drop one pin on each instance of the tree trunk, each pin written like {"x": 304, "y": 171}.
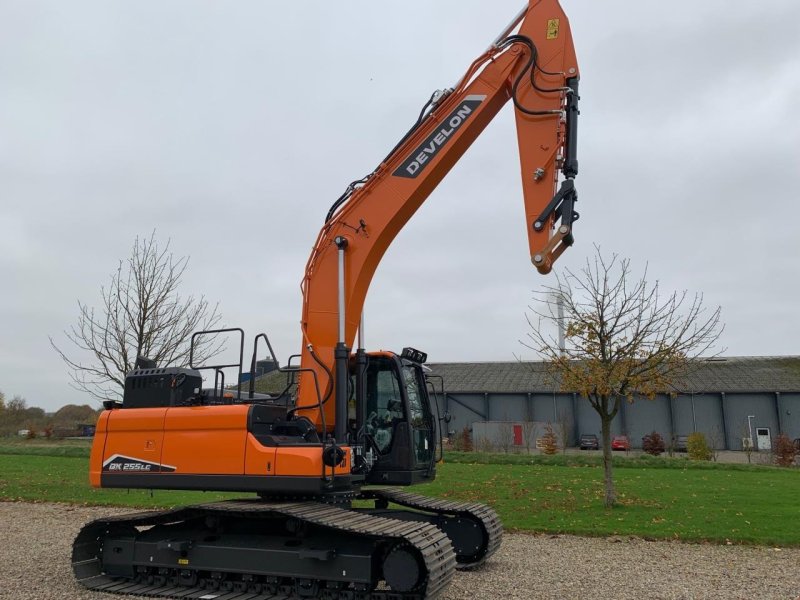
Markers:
{"x": 611, "y": 495}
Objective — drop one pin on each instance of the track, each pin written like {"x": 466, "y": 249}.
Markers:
{"x": 111, "y": 554}
{"x": 453, "y": 518}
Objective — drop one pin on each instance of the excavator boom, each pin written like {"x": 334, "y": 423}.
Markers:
{"x": 537, "y": 69}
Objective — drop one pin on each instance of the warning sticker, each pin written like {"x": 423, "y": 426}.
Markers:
{"x": 552, "y": 29}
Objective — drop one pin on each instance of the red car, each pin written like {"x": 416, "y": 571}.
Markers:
{"x": 620, "y": 442}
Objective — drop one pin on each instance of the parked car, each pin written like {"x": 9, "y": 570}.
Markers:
{"x": 680, "y": 443}
{"x": 620, "y": 442}
{"x": 589, "y": 441}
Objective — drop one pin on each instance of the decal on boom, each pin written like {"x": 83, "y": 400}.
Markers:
{"x": 428, "y": 149}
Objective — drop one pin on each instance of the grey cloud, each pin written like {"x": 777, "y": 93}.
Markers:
{"x": 231, "y": 129}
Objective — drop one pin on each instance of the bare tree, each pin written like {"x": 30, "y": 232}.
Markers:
{"x": 142, "y": 314}
{"x": 529, "y": 430}
{"x": 747, "y": 441}
{"x": 505, "y": 435}
{"x": 17, "y": 403}
{"x": 484, "y": 445}
{"x": 714, "y": 442}
{"x": 623, "y": 338}
{"x": 564, "y": 429}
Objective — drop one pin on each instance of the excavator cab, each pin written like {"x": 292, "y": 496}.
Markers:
{"x": 398, "y": 436}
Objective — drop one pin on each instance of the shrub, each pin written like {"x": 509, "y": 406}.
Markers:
{"x": 465, "y": 441}
{"x": 697, "y": 447}
{"x": 784, "y": 450}
{"x": 653, "y": 444}
{"x": 549, "y": 441}
{"x": 31, "y": 433}
{"x": 48, "y": 432}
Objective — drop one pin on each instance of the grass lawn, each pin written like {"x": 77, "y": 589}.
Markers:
{"x": 756, "y": 506}
{"x": 43, "y": 447}
{"x": 659, "y": 498}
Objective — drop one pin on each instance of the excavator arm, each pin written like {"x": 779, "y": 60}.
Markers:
{"x": 537, "y": 70}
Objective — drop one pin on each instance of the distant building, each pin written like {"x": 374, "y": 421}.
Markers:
{"x": 730, "y": 400}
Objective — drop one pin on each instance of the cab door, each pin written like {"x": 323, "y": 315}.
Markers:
{"x": 398, "y": 424}
{"x": 419, "y": 413}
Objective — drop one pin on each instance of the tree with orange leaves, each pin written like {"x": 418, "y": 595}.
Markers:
{"x": 623, "y": 339}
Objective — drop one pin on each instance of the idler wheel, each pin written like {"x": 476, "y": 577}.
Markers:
{"x": 402, "y": 570}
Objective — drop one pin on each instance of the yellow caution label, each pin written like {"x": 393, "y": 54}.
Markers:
{"x": 552, "y": 29}
{"x": 183, "y": 561}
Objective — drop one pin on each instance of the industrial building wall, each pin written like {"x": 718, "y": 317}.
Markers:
{"x": 464, "y": 410}
{"x": 721, "y": 417}
{"x": 761, "y": 407}
{"x": 588, "y": 420}
{"x": 699, "y": 412}
{"x": 789, "y": 411}
{"x": 513, "y": 408}
{"x": 645, "y": 416}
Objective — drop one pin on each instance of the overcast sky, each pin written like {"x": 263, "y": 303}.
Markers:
{"x": 231, "y": 128}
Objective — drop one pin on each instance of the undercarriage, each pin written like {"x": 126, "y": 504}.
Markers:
{"x": 269, "y": 549}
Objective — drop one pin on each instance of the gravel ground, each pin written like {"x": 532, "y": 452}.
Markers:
{"x": 36, "y": 539}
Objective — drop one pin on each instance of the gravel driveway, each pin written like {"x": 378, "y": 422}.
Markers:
{"x": 36, "y": 538}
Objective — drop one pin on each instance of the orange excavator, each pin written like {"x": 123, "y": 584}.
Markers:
{"x": 326, "y": 517}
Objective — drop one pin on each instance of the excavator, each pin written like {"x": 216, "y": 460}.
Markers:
{"x": 323, "y": 467}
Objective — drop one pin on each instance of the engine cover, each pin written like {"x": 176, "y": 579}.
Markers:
{"x": 172, "y": 386}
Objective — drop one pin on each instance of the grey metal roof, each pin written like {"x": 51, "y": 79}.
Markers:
{"x": 510, "y": 377}
{"x": 729, "y": 374}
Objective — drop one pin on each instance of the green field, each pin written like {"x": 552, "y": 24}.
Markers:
{"x": 37, "y": 447}
{"x": 741, "y": 506}
{"x": 659, "y": 498}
